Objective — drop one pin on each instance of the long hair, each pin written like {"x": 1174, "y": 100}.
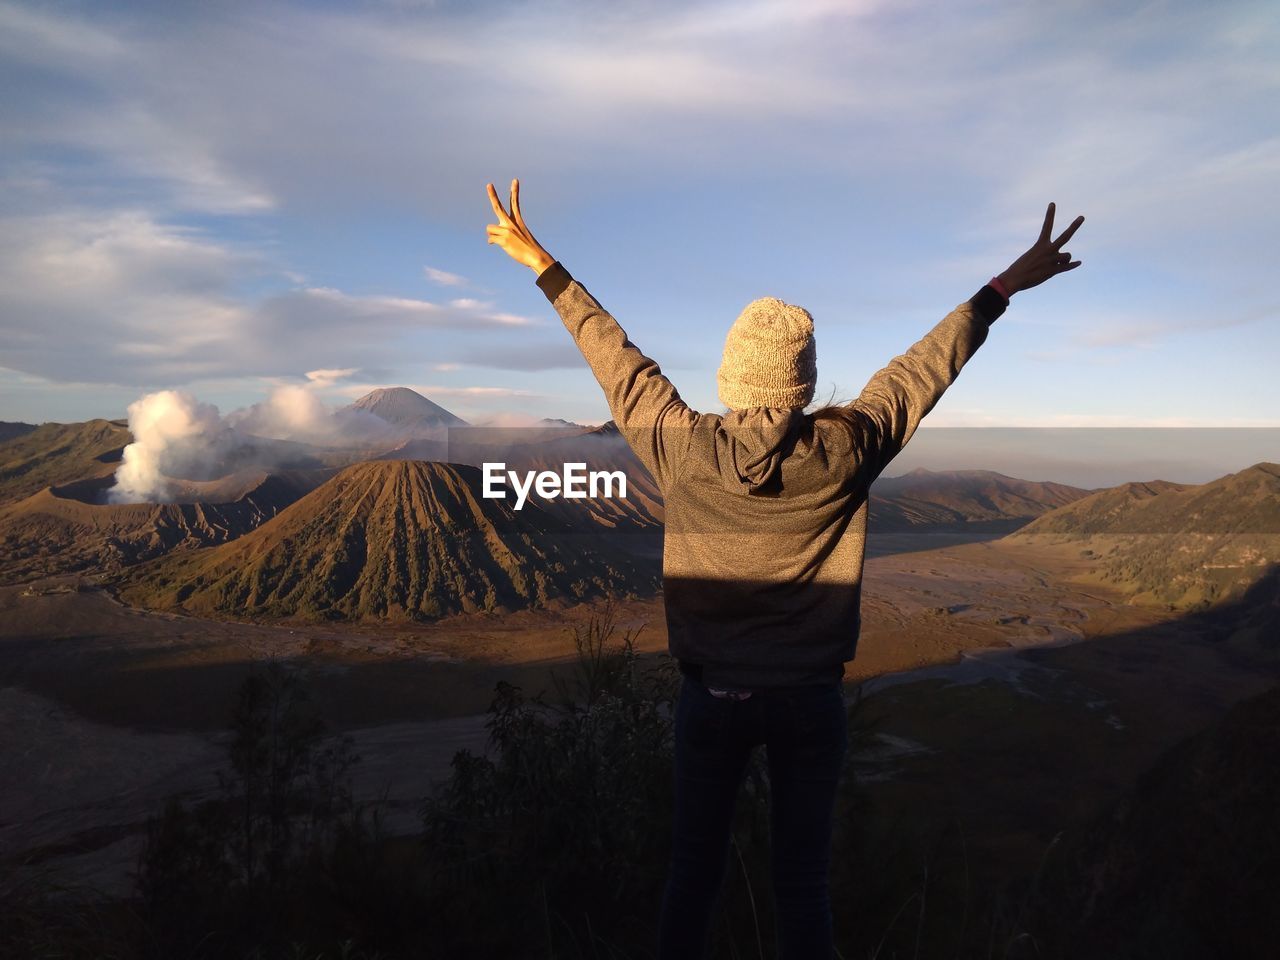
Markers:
{"x": 833, "y": 411}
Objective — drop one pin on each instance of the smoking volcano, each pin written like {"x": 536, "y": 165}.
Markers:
{"x": 396, "y": 540}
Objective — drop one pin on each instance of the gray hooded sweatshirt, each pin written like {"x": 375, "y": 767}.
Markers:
{"x": 766, "y": 508}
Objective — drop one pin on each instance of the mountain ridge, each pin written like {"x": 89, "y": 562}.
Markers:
{"x": 1184, "y": 545}
{"x": 394, "y": 539}
{"x": 69, "y": 529}
{"x": 406, "y": 408}
{"x": 56, "y": 453}
{"x": 928, "y": 497}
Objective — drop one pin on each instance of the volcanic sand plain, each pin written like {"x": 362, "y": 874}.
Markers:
{"x": 107, "y": 709}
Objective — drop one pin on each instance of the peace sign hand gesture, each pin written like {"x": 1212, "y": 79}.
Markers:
{"x": 1043, "y": 260}
{"x": 511, "y": 234}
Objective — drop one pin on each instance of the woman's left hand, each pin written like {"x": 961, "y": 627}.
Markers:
{"x": 511, "y": 234}
{"x": 1045, "y": 259}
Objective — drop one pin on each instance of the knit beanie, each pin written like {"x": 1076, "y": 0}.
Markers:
{"x": 770, "y": 359}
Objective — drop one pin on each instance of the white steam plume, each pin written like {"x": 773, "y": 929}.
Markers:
{"x": 173, "y": 434}
{"x": 295, "y": 412}
{"x": 291, "y": 412}
{"x": 177, "y": 437}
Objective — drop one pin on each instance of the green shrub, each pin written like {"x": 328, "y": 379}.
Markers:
{"x": 254, "y": 864}
{"x": 560, "y": 837}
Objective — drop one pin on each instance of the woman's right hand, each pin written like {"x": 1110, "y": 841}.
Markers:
{"x": 511, "y": 234}
{"x": 1043, "y": 260}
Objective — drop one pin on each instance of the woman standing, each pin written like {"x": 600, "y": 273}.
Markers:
{"x": 766, "y": 519}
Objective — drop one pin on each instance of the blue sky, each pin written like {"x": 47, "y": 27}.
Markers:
{"x": 227, "y": 197}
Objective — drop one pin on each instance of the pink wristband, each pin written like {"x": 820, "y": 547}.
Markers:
{"x": 996, "y": 285}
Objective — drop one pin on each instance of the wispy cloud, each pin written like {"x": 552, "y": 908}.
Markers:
{"x": 995, "y": 418}
{"x": 913, "y": 144}
{"x": 1140, "y": 333}
{"x": 122, "y": 298}
{"x": 445, "y": 390}
{"x": 561, "y": 354}
{"x": 1144, "y": 335}
{"x": 326, "y": 378}
{"x": 722, "y": 19}
{"x": 461, "y": 313}
{"x": 34, "y": 36}
{"x": 445, "y": 278}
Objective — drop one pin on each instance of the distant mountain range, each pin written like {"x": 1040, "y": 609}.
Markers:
{"x": 407, "y": 409}
{"x": 266, "y": 517}
{"x": 1181, "y": 544}
{"x": 65, "y": 529}
{"x": 927, "y": 497}
{"x": 13, "y": 428}
{"x": 1243, "y": 502}
{"x": 59, "y": 453}
{"x": 602, "y": 448}
{"x": 395, "y": 540}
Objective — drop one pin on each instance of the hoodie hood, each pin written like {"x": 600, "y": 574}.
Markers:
{"x": 751, "y": 445}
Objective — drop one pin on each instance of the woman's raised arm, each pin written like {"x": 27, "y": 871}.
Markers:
{"x": 900, "y": 395}
{"x": 645, "y": 405}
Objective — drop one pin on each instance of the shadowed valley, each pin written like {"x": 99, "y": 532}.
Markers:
{"x": 1060, "y": 708}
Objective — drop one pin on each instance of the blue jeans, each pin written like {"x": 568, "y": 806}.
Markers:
{"x": 805, "y": 733}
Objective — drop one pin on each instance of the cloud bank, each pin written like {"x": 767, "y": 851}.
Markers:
{"x": 207, "y": 191}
